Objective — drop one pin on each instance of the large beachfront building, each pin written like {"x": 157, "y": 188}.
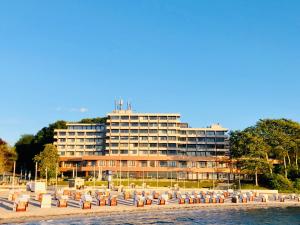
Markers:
{"x": 144, "y": 145}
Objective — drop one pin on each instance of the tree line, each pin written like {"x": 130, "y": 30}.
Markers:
{"x": 269, "y": 151}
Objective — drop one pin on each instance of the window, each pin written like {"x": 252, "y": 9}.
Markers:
{"x": 191, "y": 139}
{"x": 163, "y": 124}
{"x": 134, "y": 131}
{"x": 201, "y": 139}
{"x": 143, "y": 131}
{"x": 220, "y": 132}
{"x": 163, "y": 138}
{"x": 124, "y": 117}
{"x": 114, "y": 144}
{"x": 80, "y": 133}
{"x": 210, "y": 139}
{"x": 153, "y": 124}
{"x": 143, "y": 163}
{"x": 114, "y": 152}
{"x": 192, "y": 132}
{"x": 153, "y": 117}
{"x": 62, "y": 153}
{"x": 134, "y": 117}
{"x": 114, "y": 124}
{"x": 134, "y": 138}
{"x": 152, "y": 131}
{"x": 123, "y": 145}
{"x": 172, "y": 117}
{"x": 114, "y": 131}
{"x": 144, "y": 117}
{"x": 202, "y": 164}
{"x": 71, "y": 133}
{"x": 143, "y": 145}
{"x": 210, "y": 133}
{"x": 131, "y": 163}
{"x": 143, "y": 124}
{"x": 62, "y": 133}
{"x": 220, "y": 140}
{"x": 114, "y": 117}
{"x": 144, "y": 138}
{"x": 124, "y": 138}
{"x": 172, "y": 138}
{"x": 134, "y": 124}
{"x": 163, "y": 131}
{"x": 62, "y": 140}
{"x": 163, "y": 118}
{"x": 124, "y": 152}
{"x": 163, "y": 163}
{"x": 124, "y": 131}
{"x": 172, "y": 163}
{"x": 111, "y": 163}
{"x": 162, "y": 145}
{"x": 172, "y": 145}
{"x": 124, "y": 124}
{"x": 152, "y": 145}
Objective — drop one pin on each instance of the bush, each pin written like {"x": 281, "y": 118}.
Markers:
{"x": 297, "y": 184}
{"x": 278, "y": 182}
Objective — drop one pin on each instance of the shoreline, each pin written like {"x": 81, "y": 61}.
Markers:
{"x": 54, "y": 214}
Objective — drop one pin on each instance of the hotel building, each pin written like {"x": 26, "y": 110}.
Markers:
{"x": 144, "y": 145}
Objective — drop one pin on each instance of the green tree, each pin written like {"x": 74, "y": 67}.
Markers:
{"x": 94, "y": 120}
{"x": 47, "y": 161}
{"x": 7, "y": 156}
{"x": 30, "y": 145}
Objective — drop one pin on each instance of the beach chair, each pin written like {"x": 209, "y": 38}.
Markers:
{"x": 207, "y": 199}
{"x": 148, "y": 199}
{"x": 213, "y": 199}
{"x": 112, "y": 200}
{"x": 234, "y": 199}
{"x": 162, "y": 199}
{"x": 155, "y": 194}
{"x": 77, "y": 195}
{"x": 181, "y": 199}
{"x": 62, "y": 201}
{"x": 85, "y": 202}
{"x": 126, "y": 195}
{"x": 264, "y": 198}
{"x": 221, "y": 198}
{"x": 20, "y": 204}
{"x": 45, "y": 201}
{"x": 243, "y": 198}
{"x": 139, "y": 201}
{"x": 282, "y": 198}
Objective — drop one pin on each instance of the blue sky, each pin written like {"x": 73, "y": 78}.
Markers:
{"x": 231, "y": 62}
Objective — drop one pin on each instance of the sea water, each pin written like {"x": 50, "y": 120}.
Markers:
{"x": 286, "y": 216}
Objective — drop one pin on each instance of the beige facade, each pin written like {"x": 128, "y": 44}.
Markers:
{"x": 145, "y": 145}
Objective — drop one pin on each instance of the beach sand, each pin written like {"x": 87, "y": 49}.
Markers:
{"x": 35, "y": 213}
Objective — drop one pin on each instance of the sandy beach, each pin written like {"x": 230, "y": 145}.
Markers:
{"x": 35, "y": 213}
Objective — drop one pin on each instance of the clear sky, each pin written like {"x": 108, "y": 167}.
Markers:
{"x": 231, "y": 62}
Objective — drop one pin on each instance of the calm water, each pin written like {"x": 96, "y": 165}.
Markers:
{"x": 284, "y": 216}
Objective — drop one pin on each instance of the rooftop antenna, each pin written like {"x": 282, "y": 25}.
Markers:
{"x": 120, "y": 104}
{"x": 115, "y": 104}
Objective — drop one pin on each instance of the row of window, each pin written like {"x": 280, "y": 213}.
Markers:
{"x": 145, "y": 138}
{"x": 141, "y": 131}
{"x": 201, "y": 146}
{"x": 80, "y": 140}
{"x": 94, "y": 147}
{"x": 71, "y": 133}
{"x": 144, "y": 145}
{"x": 86, "y": 127}
{"x": 144, "y": 163}
{"x": 201, "y": 139}
{"x": 125, "y": 124}
{"x": 134, "y": 117}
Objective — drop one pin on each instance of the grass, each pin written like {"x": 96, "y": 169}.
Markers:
{"x": 151, "y": 183}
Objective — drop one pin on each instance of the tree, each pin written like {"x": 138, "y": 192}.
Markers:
{"x": 250, "y": 150}
{"x": 47, "y": 161}
{"x": 25, "y": 154}
{"x": 30, "y": 145}
{"x": 94, "y": 120}
{"x": 7, "y": 156}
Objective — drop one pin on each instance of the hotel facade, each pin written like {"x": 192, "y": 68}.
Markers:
{"x": 144, "y": 145}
